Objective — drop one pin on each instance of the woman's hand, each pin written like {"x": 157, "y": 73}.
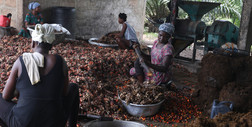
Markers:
{"x": 136, "y": 45}
{"x": 141, "y": 60}
{"x": 162, "y": 67}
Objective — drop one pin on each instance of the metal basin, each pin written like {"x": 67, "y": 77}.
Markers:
{"x": 142, "y": 110}
{"x": 92, "y": 41}
{"x": 115, "y": 123}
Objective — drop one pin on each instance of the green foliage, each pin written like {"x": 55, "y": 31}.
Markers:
{"x": 230, "y": 9}
{"x": 182, "y": 14}
{"x": 157, "y": 9}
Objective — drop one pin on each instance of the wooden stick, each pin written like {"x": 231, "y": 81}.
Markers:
{"x": 137, "y": 50}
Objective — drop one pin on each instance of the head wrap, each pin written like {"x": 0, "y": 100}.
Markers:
{"x": 167, "y": 27}
{"x": 33, "y": 5}
{"x": 43, "y": 33}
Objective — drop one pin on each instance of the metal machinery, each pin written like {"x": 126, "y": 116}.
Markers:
{"x": 192, "y": 30}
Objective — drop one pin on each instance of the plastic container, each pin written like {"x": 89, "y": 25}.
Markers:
{"x": 4, "y": 21}
{"x": 66, "y": 17}
{"x": 115, "y": 123}
{"x": 220, "y": 107}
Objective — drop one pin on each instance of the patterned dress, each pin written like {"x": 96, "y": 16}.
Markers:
{"x": 24, "y": 33}
{"x": 32, "y": 19}
{"x": 157, "y": 56}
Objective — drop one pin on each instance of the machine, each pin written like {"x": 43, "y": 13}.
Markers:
{"x": 194, "y": 31}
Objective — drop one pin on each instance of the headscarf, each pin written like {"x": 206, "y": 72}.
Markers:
{"x": 33, "y": 5}
{"x": 167, "y": 27}
{"x": 43, "y": 33}
{"x": 32, "y": 61}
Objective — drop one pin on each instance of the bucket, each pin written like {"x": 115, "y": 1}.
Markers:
{"x": 220, "y": 107}
{"x": 4, "y": 21}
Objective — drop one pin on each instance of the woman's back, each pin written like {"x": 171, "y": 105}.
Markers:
{"x": 130, "y": 33}
{"x": 40, "y": 104}
{"x": 46, "y": 99}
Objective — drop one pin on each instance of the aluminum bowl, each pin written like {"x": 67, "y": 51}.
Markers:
{"x": 142, "y": 110}
{"x": 92, "y": 41}
{"x": 115, "y": 123}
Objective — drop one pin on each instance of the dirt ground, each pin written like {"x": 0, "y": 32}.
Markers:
{"x": 227, "y": 79}
{"x": 184, "y": 81}
{"x": 214, "y": 81}
{"x": 230, "y": 119}
{"x": 189, "y": 102}
{"x": 223, "y": 78}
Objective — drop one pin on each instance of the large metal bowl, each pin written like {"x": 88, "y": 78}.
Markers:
{"x": 142, "y": 110}
{"x": 115, "y": 123}
{"x": 93, "y": 42}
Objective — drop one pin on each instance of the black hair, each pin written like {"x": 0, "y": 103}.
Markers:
{"x": 123, "y": 16}
{"x": 44, "y": 45}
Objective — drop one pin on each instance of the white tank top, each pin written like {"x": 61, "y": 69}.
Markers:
{"x": 130, "y": 33}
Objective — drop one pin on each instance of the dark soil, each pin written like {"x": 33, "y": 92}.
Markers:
{"x": 231, "y": 119}
{"x": 227, "y": 79}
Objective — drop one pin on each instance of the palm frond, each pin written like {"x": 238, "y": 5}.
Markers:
{"x": 156, "y": 9}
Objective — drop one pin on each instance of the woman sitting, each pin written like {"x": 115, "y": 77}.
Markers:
{"x": 45, "y": 97}
{"x": 160, "y": 60}
{"x": 127, "y": 37}
{"x": 32, "y": 18}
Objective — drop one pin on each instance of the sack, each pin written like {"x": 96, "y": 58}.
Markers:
{"x": 220, "y": 107}
{"x": 4, "y": 21}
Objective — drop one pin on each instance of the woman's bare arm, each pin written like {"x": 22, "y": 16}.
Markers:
{"x": 10, "y": 86}
{"x": 121, "y": 34}
{"x": 163, "y": 67}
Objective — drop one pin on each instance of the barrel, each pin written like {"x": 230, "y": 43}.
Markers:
{"x": 64, "y": 16}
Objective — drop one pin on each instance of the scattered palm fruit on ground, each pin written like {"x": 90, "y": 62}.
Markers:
{"x": 109, "y": 38}
{"x": 99, "y": 72}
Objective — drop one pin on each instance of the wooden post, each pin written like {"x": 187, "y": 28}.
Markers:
{"x": 245, "y": 35}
